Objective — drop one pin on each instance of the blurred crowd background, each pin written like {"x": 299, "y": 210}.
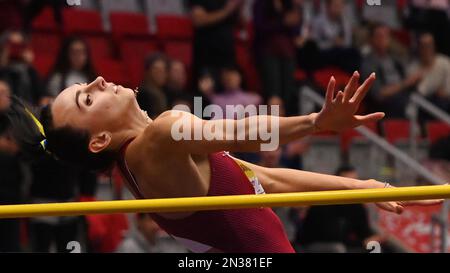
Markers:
{"x": 227, "y": 52}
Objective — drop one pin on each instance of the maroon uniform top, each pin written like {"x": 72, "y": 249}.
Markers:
{"x": 256, "y": 230}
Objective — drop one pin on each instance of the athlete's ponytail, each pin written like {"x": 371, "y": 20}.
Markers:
{"x": 37, "y": 137}
{"x": 24, "y": 126}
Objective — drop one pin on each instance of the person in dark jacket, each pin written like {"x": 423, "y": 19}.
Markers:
{"x": 343, "y": 228}
{"x": 214, "y": 26}
{"x": 12, "y": 178}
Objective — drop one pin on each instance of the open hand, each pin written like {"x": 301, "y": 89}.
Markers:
{"x": 399, "y": 206}
{"x": 338, "y": 112}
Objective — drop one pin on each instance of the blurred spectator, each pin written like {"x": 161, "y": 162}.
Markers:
{"x": 332, "y": 31}
{"x": 206, "y": 88}
{"x": 391, "y": 90}
{"x": 73, "y": 65}
{"x": 177, "y": 85}
{"x": 431, "y": 16}
{"x": 214, "y": 25}
{"x": 233, "y": 93}
{"x": 148, "y": 238}
{"x": 435, "y": 69}
{"x": 277, "y": 24}
{"x": 16, "y": 66}
{"x": 13, "y": 178}
{"x": 388, "y": 13}
{"x": 307, "y": 54}
{"x": 152, "y": 96}
{"x": 337, "y": 229}
{"x": 206, "y": 84}
{"x": 331, "y": 28}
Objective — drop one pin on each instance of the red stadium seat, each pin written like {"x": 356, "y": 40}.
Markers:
{"x": 45, "y": 22}
{"x": 45, "y": 43}
{"x": 112, "y": 70}
{"x": 44, "y": 63}
{"x": 77, "y": 21}
{"x": 128, "y": 24}
{"x": 135, "y": 68}
{"x": 173, "y": 27}
{"x": 180, "y": 51}
{"x": 136, "y": 49}
{"x": 133, "y": 54}
{"x": 105, "y": 231}
{"x": 100, "y": 47}
{"x": 437, "y": 130}
{"x": 396, "y": 130}
{"x": 322, "y": 77}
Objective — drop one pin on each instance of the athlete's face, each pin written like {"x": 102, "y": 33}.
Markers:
{"x": 97, "y": 107}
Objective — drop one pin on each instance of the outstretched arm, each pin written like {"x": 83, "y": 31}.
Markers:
{"x": 280, "y": 180}
{"x": 183, "y": 132}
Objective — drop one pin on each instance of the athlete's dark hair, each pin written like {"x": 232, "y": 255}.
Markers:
{"x": 66, "y": 143}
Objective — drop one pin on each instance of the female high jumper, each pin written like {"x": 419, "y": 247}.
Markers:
{"x": 100, "y": 124}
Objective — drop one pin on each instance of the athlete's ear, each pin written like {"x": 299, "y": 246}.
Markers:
{"x": 99, "y": 142}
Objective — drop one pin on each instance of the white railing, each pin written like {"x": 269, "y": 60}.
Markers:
{"x": 416, "y": 103}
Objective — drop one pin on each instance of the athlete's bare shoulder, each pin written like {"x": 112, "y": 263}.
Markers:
{"x": 157, "y": 137}
{"x": 163, "y": 128}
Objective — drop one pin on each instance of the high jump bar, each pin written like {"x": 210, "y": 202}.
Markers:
{"x": 187, "y": 204}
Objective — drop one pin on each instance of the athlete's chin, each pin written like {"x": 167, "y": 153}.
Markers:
{"x": 127, "y": 94}
{"x": 127, "y": 99}
{"x": 124, "y": 91}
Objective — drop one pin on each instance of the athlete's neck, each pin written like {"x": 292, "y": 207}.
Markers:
{"x": 136, "y": 123}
